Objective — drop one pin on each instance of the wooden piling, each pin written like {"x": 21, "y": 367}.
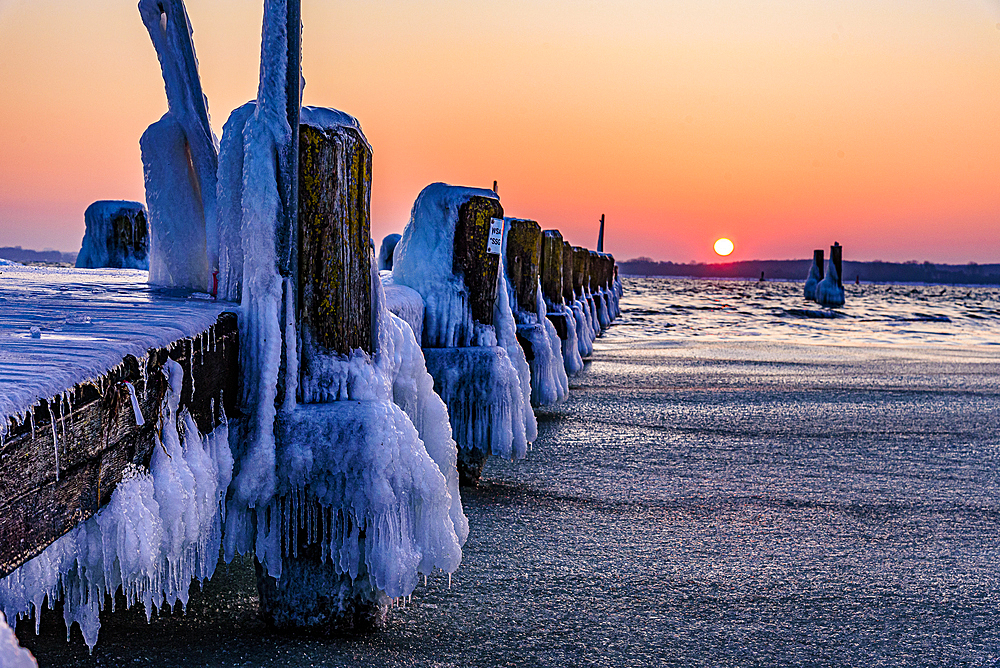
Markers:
{"x": 524, "y": 252}
{"x": 567, "y": 274}
{"x": 96, "y": 434}
{"x": 335, "y": 167}
{"x": 594, "y": 271}
{"x": 581, "y": 271}
{"x": 837, "y": 257}
{"x": 818, "y": 261}
{"x": 551, "y": 273}
{"x": 477, "y": 267}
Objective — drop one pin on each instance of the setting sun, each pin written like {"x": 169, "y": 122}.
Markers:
{"x": 724, "y": 247}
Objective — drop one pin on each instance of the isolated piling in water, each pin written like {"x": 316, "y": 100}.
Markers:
{"x": 837, "y": 258}
{"x": 600, "y": 236}
{"x": 477, "y": 266}
{"x": 568, "y": 285}
{"x": 552, "y": 267}
{"x": 524, "y": 253}
{"x": 334, "y": 230}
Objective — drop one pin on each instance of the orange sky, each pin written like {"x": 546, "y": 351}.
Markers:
{"x": 782, "y": 124}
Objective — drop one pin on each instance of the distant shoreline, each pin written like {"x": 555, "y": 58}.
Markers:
{"x": 797, "y": 270}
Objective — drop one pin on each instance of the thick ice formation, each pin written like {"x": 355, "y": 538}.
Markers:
{"x": 180, "y": 158}
{"x": 813, "y": 281}
{"x": 385, "y": 253}
{"x": 117, "y": 235}
{"x": 161, "y": 530}
{"x": 404, "y": 302}
{"x": 489, "y": 404}
{"x": 357, "y": 464}
{"x": 828, "y": 292}
{"x": 12, "y": 655}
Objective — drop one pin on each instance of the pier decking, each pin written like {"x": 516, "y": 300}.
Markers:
{"x": 75, "y": 346}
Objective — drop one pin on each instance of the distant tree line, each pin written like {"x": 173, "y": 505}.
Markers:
{"x": 18, "y": 254}
{"x": 875, "y": 272}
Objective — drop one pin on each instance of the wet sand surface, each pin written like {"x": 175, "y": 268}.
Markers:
{"x": 716, "y": 503}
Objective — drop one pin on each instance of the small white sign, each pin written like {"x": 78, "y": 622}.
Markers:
{"x": 496, "y": 236}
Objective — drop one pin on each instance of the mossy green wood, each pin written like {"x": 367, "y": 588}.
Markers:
{"x": 581, "y": 270}
{"x": 568, "y": 272}
{"x": 524, "y": 256}
{"x": 593, "y": 270}
{"x": 477, "y": 267}
{"x": 552, "y": 267}
{"x": 335, "y": 172}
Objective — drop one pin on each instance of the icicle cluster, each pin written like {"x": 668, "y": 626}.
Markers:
{"x": 12, "y": 655}
{"x": 161, "y": 529}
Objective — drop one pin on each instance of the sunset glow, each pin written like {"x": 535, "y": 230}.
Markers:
{"x": 785, "y": 123}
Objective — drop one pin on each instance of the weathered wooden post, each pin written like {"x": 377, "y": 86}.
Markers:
{"x": 568, "y": 285}
{"x": 581, "y": 273}
{"x": 334, "y": 320}
{"x": 524, "y": 253}
{"x": 837, "y": 257}
{"x": 600, "y": 236}
{"x": 815, "y": 276}
{"x": 552, "y": 279}
{"x": 472, "y": 256}
{"x": 596, "y": 292}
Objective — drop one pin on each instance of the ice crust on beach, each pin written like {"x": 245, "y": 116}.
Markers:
{"x": 98, "y": 248}
{"x": 161, "y": 530}
{"x": 424, "y": 261}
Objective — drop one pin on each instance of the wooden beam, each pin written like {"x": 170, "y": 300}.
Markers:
{"x": 569, "y": 295}
{"x": 95, "y": 434}
{"x": 552, "y": 267}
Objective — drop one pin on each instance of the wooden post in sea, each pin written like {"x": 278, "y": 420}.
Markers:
{"x": 568, "y": 273}
{"x": 600, "y": 236}
{"x": 818, "y": 261}
{"x": 837, "y": 258}
{"x": 478, "y": 266}
{"x": 524, "y": 254}
{"x": 581, "y": 272}
{"x": 552, "y": 280}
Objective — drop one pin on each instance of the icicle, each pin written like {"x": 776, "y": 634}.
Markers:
{"x": 449, "y": 580}
{"x": 139, "y": 421}
{"x": 55, "y": 439}
{"x": 191, "y": 362}
{"x": 31, "y": 418}
{"x": 291, "y": 354}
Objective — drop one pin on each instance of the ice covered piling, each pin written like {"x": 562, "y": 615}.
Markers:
{"x": 830, "y": 291}
{"x": 180, "y": 158}
{"x": 346, "y": 486}
{"x": 117, "y": 236}
{"x": 386, "y": 251}
{"x": 522, "y": 257}
{"x": 587, "y": 326}
{"x": 469, "y": 331}
{"x": 815, "y": 276}
{"x": 554, "y": 282}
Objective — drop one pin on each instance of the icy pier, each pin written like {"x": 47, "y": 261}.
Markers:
{"x": 81, "y": 354}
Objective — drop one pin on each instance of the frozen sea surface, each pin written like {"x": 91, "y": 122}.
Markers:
{"x": 708, "y": 498}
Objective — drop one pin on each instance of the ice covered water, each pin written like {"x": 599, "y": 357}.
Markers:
{"x": 733, "y": 481}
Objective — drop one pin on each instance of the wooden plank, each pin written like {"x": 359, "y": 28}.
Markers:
{"x": 524, "y": 254}
{"x": 551, "y": 272}
{"x": 334, "y": 236}
{"x": 477, "y": 267}
{"x": 96, "y": 436}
